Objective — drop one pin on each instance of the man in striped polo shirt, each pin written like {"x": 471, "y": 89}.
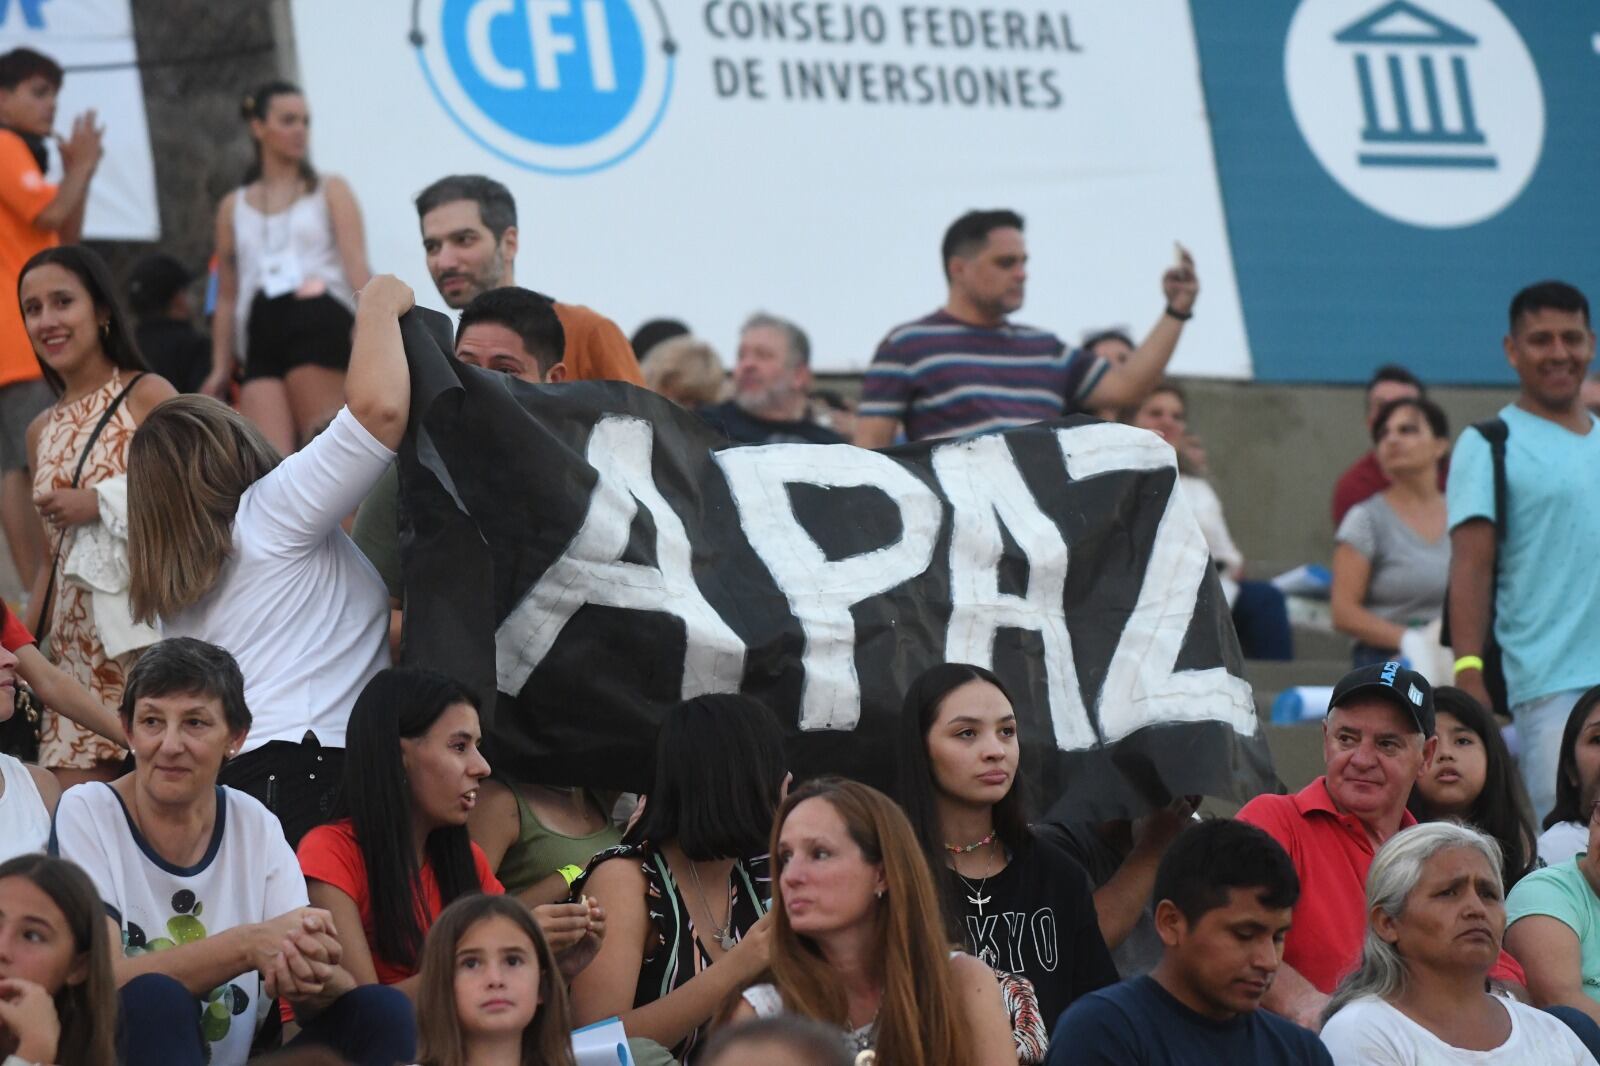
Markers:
{"x": 967, "y": 368}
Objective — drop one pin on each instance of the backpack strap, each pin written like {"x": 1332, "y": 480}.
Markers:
{"x": 1495, "y": 432}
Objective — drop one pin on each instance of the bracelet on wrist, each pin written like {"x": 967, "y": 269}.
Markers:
{"x": 1181, "y": 316}
{"x": 570, "y": 874}
{"x": 1469, "y": 662}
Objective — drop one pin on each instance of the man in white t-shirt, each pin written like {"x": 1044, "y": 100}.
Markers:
{"x": 205, "y": 899}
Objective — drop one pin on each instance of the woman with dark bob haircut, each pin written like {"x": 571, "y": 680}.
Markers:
{"x": 1473, "y": 779}
{"x": 961, "y": 787}
{"x": 686, "y": 893}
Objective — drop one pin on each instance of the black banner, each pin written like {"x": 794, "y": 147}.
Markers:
{"x": 595, "y": 553}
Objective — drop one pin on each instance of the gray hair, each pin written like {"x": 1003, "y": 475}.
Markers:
{"x": 799, "y": 343}
{"x": 1395, "y": 872}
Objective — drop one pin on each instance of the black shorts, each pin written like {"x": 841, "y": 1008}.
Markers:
{"x": 286, "y": 332}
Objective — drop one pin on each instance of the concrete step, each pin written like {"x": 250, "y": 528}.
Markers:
{"x": 1272, "y": 677}
{"x": 1296, "y": 755}
{"x": 1315, "y": 642}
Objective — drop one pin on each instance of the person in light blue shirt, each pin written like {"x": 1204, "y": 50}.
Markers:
{"x": 1546, "y": 602}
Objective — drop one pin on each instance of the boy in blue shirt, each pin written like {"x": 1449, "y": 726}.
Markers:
{"x": 1226, "y": 892}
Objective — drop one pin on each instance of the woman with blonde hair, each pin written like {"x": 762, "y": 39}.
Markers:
{"x": 78, "y": 450}
{"x": 686, "y": 370}
{"x": 233, "y": 545}
{"x": 490, "y": 992}
{"x": 1436, "y": 915}
{"x": 859, "y": 943}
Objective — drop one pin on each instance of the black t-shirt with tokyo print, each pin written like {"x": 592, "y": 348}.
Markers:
{"x": 1036, "y": 919}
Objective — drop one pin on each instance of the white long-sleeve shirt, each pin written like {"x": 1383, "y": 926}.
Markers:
{"x": 297, "y": 604}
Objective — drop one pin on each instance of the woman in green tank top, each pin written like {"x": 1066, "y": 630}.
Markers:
{"x": 531, "y": 833}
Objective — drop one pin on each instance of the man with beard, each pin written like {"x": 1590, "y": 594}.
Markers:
{"x": 470, "y": 238}
{"x": 967, "y": 367}
{"x": 771, "y": 388}
{"x": 1543, "y": 602}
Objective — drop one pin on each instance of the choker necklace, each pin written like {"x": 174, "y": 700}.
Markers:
{"x": 968, "y": 849}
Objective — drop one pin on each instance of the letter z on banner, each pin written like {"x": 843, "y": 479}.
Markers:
{"x": 586, "y": 555}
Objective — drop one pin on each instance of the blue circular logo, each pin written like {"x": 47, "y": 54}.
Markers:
{"x": 557, "y": 86}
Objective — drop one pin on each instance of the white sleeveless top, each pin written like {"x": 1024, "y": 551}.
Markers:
{"x": 305, "y": 229}
{"x": 24, "y": 823}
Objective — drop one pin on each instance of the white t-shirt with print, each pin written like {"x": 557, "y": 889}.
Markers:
{"x": 247, "y": 875}
{"x": 1370, "y": 1032}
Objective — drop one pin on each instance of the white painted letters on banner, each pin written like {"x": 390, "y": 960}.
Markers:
{"x": 592, "y": 570}
{"x": 820, "y": 590}
{"x": 986, "y": 491}
{"x": 1143, "y": 685}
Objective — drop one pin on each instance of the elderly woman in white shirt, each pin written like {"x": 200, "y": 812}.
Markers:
{"x": 232, "y": 544}
{"x": 1436, "y": 916}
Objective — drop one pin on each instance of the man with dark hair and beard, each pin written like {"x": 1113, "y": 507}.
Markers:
{"x": 470, "y": 239}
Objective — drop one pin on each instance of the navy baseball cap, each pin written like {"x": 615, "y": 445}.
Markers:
{"x": 1392, "y": 681}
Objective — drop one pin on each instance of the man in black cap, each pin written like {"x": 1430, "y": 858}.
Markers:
{"x": 1377, "y": 740}
{"x": 158, "y": 293}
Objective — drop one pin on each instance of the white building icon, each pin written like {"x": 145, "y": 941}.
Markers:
{"x": 1411, "y": 68}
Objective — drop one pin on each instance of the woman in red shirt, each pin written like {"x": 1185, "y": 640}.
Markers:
{"x": 400, "y": 852}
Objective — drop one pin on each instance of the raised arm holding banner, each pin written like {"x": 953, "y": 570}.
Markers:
{"x": 595, "y": 554}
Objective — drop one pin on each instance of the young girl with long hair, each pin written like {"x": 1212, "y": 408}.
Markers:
{"x": 1473, "y": 779}
{"x": 290, "y": 257}
{"x": 859, "y": 942}
{"x": 58, "y": 999}
{"x": 490, "y": 993}
{"x": 85, "y": 346}
{"x": 399, "y": 851}
{"x": 235, "y": 545}
{"x": 962, "y": 791}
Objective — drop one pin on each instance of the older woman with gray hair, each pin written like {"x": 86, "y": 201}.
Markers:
{"x": 1435, "y": 918}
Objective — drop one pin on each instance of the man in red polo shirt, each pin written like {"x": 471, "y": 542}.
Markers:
{"x": 1376, "y": 741}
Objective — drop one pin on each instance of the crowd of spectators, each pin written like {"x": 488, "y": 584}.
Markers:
{"x": 235, "y": 833}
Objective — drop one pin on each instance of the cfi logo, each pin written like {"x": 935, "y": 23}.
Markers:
{"x": 557, "y": 86}
{"x": 1431, "y": 114}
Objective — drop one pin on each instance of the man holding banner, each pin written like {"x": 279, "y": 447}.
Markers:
{"x": 967, "y": 367}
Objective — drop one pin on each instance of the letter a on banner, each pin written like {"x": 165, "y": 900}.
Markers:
{"x": 592, "y": 570}
{"x": 820, "y": 590}
{"x": 985, "y": 489}
{"x": 1142, "y": 685}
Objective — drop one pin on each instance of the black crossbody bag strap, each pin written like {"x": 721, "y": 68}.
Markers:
{"x": 77, "y": 476}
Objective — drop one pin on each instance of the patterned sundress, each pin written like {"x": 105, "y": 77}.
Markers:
{"x": 74, "y": 643}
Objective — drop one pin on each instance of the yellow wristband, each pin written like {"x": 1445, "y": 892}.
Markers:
{"x": 1469, "y": 662}
{"x": 570, "y": 874}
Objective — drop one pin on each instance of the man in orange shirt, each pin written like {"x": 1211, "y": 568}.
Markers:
{"x": 469, "y": 234}
{"x": 34, "y": 215}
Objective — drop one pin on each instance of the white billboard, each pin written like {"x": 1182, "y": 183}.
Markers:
{"x": 707, "y": 159}
{"x": 93, "y": 39}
